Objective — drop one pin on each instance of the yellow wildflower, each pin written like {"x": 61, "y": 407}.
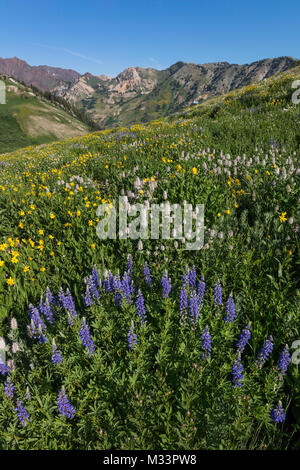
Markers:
{"x": 282, "y": 217}
{"x": 10, "y": 281}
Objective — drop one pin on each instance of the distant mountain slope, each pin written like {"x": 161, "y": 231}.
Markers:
{"x": 140, "y": 95}
{"x": 28, "y": 119}
{"x": 43, "y": 77}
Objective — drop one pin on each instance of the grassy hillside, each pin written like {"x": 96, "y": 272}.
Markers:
{"x": 27, "y": 119}
{"x": 150, "y": 345}
{"x": 252, "y": 113}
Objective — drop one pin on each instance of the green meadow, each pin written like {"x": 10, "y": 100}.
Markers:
{"x": 141, "y": 343}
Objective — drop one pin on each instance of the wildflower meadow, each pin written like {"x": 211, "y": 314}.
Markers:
{"x": 141, "y": 343}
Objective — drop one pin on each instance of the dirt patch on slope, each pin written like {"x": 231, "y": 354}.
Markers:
{"x": 41, "y": 125}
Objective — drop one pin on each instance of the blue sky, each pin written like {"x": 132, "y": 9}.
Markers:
{"x": 108, "y": 36}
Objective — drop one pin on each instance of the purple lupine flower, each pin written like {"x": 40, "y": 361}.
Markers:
{"x": 278, "y": 414}
{"x": 218, "y": 293}
{"x": 126, "y": 288}
{"x": 87, "y": 297}
{"x": 194, "y": 308}
{"x": 166, "y": 285}
{"x": 61, "y": 297}
{"x": 284, "y": 361}
{"x": 183, "y": 304}
{"x": 185, "y": 277}
{"x": 265, "y": 351}
{"x": 49, "y": 296}
{"x": 206, "y": 343}
{"x": 132, "y": 287}
{"x": 56, "y": 355}
{"x": 140, "y": 307}
{"x": 4, "y": 369}
{"x": 118, "y": 290}
{"x": 230, "y": 310}
{"x": 38, "y": 327}
{"x": 244, "y": 338}
{"x": 237, "y": 373}
{"x": 67, "y": 303}
{"x": 92, "y": 292}
{"x": 192, "y": 278}
{"x": 201, "y": 290}
{"x": 22, "y": 413}
{"x": 118, "y": 299}
{"x": 64, "y": 406}
{"x": 95, "y": 277}
{"x": 9, "y": 388}
{"x": 111, "y": 281}
{"x": 106, "y": 282}
{"x": 93, "y": 285}
{"x": 86, "y": 338}
{"x": 70, "y": 304}
{"x": 132, "y": 340}
{"x": 117, "y": 287}
{"x": 45, "y": 309}
{"x": 147, "y": 274}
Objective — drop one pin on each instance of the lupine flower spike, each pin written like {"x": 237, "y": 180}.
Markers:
{"x": 140, "y": 307}
{"x": 185, "y": 277}
{"x": 194, "y": 310}
{"x": 64, "y": 406}
{"x": 283, "y": 361}
{"x": 278, "y": 414}
{"x": 183, "y": 304}
{"x": 56, "y": 355}
{"x": 230, "y": 310}
{"x": 132, "y": 341}
{"x": 86, "y": 338}
{"x": 192, "y": 278}
{"x": 244, "y": 338}
{"x": 265, "y": 352}
{"x": 237, "y": 373}
{"x": 4, "y": 369}
{"x": 218, "y": 293}
{"x": 201, "y": 290}
{"x": 9, "y": 388}
{"x": 166, "y": 285}
{"x": 22, "y": 413}
{"x": 206, "y": 343}
{"x": 147, "y": 274}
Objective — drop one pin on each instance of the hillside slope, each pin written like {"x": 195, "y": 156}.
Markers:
{"x": 28, "y": 119}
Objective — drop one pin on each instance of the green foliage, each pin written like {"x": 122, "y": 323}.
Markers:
{"x": 244, "y": 167}
{"x": 163, "y": 394}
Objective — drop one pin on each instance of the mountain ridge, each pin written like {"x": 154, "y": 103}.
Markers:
{"x": 142, "y": 94}
{"x": 43, "y": 77}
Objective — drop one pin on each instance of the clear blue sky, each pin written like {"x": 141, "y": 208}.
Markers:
{"x": 108, "y": 36}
